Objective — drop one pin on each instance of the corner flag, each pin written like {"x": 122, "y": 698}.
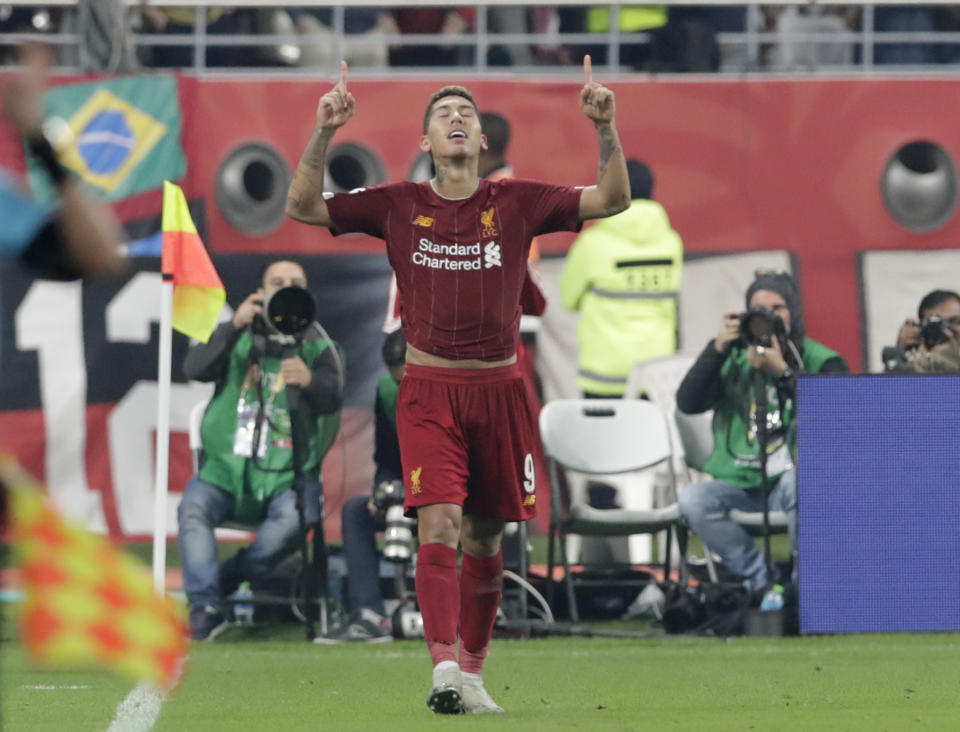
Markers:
{"x": 198, "y": 294}
{"x": 86, "y": 602}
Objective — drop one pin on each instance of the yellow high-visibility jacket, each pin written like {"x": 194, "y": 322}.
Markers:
{"x": 633, "y": 18}
{"x": 623, "y": 275}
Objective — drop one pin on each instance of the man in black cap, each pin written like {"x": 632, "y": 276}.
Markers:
{"x": 726, "y": 378}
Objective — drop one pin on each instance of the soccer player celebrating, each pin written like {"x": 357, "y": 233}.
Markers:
{"x": 459, "y": 245}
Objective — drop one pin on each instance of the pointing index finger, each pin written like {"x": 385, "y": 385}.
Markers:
{"x": 343, "y": 76}
{"x": 588, "y": 68}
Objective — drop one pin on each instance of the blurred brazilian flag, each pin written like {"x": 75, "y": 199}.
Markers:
{"x": 126, "y": 135}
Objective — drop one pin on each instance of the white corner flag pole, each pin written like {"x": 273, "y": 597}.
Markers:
{"x": 163, "y": 437}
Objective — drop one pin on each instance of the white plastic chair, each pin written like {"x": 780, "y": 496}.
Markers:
{"x": 696, "y": 435}
{"x": 602, "y": 437}
{"x": 659, "y": 379}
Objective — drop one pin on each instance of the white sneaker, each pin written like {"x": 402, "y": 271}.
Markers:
{"x": 446, "y": 695}
{"x": 476, "y": 700}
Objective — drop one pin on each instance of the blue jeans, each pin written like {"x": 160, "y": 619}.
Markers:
{"x": 706, "y": 508}
{"x": 203, "y": 507}
{"x": 363, "y": 560}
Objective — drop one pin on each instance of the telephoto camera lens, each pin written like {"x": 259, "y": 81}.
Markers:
{"x": 290, "y": 310}
{"x": 758, "y": 326}
{"x": 398, "y": 535}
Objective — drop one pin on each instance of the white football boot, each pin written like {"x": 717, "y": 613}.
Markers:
{"x": 446, "y": 696}
{"x": 476, "y": 700}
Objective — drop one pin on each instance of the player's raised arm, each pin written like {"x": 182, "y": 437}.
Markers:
{"x": 611, "y": 194}
{"x": 305, "y": 196}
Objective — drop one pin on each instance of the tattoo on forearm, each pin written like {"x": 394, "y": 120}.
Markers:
{"x": 609, "y": 169}
{"x": 608, "y": 146}
{"x": 307, "y": 183}
{"x": 316, "y": 153}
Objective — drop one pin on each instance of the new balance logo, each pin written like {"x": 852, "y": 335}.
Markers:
{"x": 491, "y": 255}
{"x": 423, "y": 221}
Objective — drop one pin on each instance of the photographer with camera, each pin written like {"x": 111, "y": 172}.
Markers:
{"x": 363, "y": 517}
{"x": 263, "y": 376}
{"x": 759, "y": 351}
{"x": 931, "y": 343}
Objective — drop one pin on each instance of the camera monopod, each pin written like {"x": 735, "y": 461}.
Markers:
{"x": 314, "y": 580}
{"x": 290, "y": 311}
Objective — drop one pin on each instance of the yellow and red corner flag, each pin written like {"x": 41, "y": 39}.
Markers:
{"x": 198, "y": 294}
{"x": 86, "y": 603}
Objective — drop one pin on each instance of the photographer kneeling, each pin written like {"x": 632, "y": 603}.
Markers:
{"x": 363, "y": 517}
{"x": 247, "y": 470}
{"x": 766, "y": 347}
{"x": 930, "y": 344}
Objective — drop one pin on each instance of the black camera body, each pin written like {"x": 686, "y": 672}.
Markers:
{"x": 934, "y": 331}
{"x": 758, "y": 326}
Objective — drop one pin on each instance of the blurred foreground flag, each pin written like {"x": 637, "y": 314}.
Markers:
{"x": 86, "y": 602}
{"x": 198, "y": 294}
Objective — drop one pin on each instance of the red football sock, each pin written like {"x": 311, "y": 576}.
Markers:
{"x": 481, "y": 586}
{"x": 438, "y": 593}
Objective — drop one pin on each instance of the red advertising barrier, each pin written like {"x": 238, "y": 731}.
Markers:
{"x": 740, "y": 165}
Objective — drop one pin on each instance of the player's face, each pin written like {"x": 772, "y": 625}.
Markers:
{"x": 454, "y": 129}
{"x": 283, "y": 274}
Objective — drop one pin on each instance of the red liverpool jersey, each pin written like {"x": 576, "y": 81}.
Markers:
{"x": 460, "y": 263}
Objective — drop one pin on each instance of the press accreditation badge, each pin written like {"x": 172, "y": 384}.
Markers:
{"x": 779, "y": 461}
{"x": 243, "y": 440}
{"x": 247, "y": 430}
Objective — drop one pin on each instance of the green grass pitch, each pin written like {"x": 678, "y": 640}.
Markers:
{"x": 268, "y": 678}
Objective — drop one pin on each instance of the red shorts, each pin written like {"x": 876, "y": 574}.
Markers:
{"x": 467, "y": 436}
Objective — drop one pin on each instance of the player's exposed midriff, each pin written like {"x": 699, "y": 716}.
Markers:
{"x": 422, "y": 358}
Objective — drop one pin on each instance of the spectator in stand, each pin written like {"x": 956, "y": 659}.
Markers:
{"x": 24, "y": 19}
{"x": 632, "y": 19}
{"x": 366, "y": 31}
{"x": 679, "y": 39}
{"x": 181, "y": 21}
{"x": 547, "y": 21}
{"x": 904, "y": 19}
{"x": 792, "y": 50}
{"x": 508, "y": 19}
{"x": 451, "y": 22}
